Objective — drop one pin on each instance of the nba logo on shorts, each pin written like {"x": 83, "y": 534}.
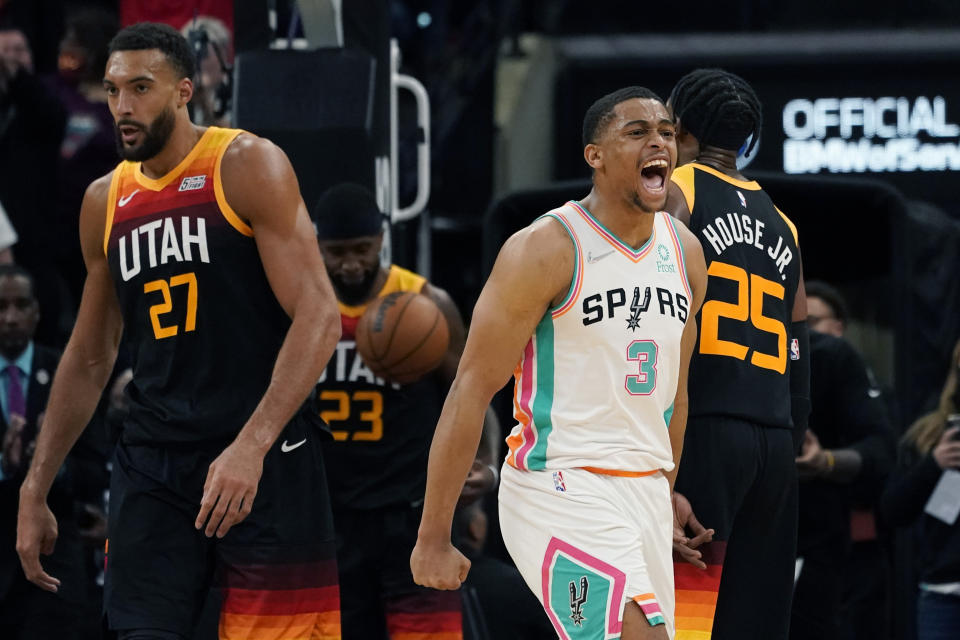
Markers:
{"x": 558, "y": 483}
{"x": 794, "y": 349}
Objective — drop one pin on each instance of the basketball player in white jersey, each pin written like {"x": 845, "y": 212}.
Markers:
{"x": 592, "y": 309}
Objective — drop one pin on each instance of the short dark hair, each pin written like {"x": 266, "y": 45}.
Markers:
{"x": 830, "y": 295}
{"x": 153, "y": 35}
{"x": 718, "y": 107}
{"x": 600, "y": 113}
{"x": 10, "y": 270}
{"x": 347, "y": 211}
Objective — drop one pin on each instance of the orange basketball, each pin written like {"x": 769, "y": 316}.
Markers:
{"x": 402, "y": 336}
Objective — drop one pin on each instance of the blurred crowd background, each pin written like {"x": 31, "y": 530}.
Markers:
{"x": 860, "y": 147}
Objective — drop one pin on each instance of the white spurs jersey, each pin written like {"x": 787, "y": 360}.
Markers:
{"x": 596, "y": 383}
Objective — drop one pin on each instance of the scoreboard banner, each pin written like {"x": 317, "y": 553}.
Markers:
{"x": 883, "y": 105}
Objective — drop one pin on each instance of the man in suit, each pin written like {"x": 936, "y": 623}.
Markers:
{"x": 26, "y": 369}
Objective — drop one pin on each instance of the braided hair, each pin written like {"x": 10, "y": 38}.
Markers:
{"x": 718, "y": 107}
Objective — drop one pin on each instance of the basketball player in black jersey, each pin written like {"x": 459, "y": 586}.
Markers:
{"x": 749, "y": 376}
{"x": 198, "y": 250}
{"x": 377, "y": 462}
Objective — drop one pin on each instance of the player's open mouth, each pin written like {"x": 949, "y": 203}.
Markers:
{"x": 129, "y": 133}
{"x": 653, "y": 174}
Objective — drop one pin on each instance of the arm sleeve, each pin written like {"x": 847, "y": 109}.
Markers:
{"x": 799, "y": 380}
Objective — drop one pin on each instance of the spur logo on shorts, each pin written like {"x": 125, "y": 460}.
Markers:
{"x": 578, "y": 600}
{"x": 582, "y": 594}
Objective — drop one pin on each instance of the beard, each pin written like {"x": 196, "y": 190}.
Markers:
{"x": 155, "y": 137}
{"x": 640, "y": 204}
{"x": 354, "y": 293}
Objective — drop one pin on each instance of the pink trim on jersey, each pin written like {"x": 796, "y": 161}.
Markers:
{"x": 557, "y": 546}
{"x": 683, "y": 263}
{"x": 575, "y": 293}
{"x": 629, "y": 252}
{"x": 529, "y": 433}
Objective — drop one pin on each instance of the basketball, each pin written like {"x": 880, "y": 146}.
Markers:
{"x": 402, "y": 336}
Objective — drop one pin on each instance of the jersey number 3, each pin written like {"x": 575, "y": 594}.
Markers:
{"x": 644, "y": 352}
{"x": 750, "y": 293}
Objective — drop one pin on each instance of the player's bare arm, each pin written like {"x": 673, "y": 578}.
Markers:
{"x": 260, "y": 185}
{"x": 482, "y": 477}
{"x": 77, "y": 386}
{"x": 533, "y": 270}
{"x": 458, "y": 332}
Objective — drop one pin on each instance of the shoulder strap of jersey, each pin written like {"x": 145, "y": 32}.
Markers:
{"x": 569, "y": 218}
{"x": 112, "y": 203}
{"x": 401, "y": 279}
{"x": 220, "y": 141}
{"x": 674, "y": 235}
{"x": 793, "y": 228}
{"x": 684, "y": 177}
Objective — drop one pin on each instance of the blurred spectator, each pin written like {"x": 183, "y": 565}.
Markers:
{"x": 32, "y": 123}
{"x": 8, "y": 237}
{"x": 865, "y": 572}
{"x": 930, "y": 448}
{"x": 848, "y": 441}
{"x": 212, "y": 45}
{"x": 826, "y": 309}
{"x": 88, "y": 149}
{"x": 26, "y": 370}
{"x": 41, "y": 21}
{"x": 827, "y": 313}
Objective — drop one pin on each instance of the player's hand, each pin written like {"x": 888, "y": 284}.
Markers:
{"x": 230, "y": 488}
{"x": 683, "y": 521}
{"x": 480, "y": 481}
{"x": 36, "y": 534}
{"x": 438, "y": 566}
{"x": 812, "y": 461}
{"x": 12, "y": 456}
{"x": 947, "y": 451}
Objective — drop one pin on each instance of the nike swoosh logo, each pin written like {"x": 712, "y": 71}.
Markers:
{"x": 592, "y": 258}
{"x": 287, "y": 448}
{"x": 122, "y": 201}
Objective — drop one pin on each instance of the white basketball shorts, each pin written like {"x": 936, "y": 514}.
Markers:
{"x": 587, "y": 543}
